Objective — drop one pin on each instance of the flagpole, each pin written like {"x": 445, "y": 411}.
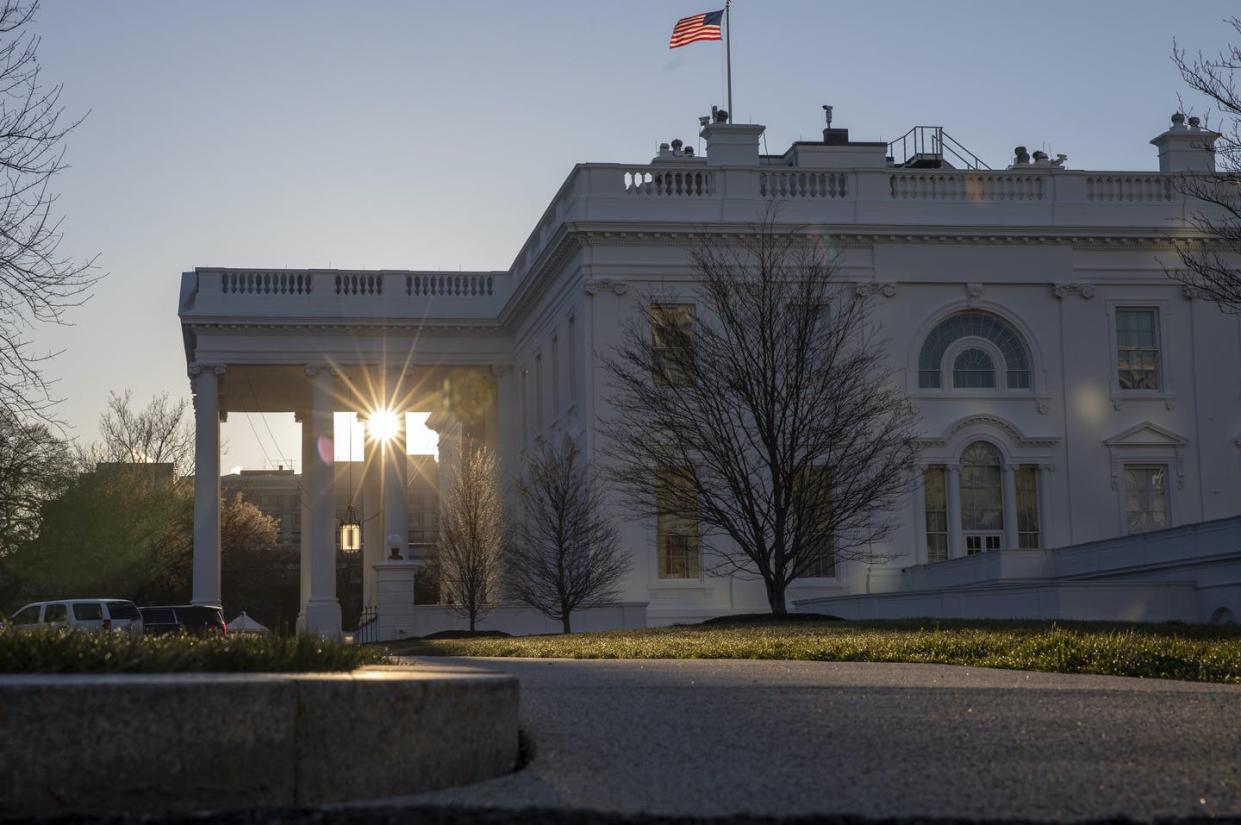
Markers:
{"x": 728, "y": 49}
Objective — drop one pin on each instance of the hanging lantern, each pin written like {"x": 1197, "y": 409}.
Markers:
{"x": 350, "y": 532}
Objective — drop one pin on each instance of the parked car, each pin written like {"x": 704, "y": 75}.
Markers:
{"x": 90, "y": 615}
{"x": 186, "y": 618}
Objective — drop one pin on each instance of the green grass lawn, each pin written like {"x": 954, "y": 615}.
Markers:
{"x": 74, "y": 652}
{"x": 1168, "y": 651}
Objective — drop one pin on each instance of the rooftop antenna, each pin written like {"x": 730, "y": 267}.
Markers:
{"x": 827, "y": 112}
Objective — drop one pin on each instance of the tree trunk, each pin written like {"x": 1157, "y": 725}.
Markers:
{"x": 564, "y": 620}
{"x": 472, "y": 617}
{"x": 775, "y": 598}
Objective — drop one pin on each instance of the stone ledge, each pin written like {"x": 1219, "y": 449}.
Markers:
{"x": 147, "y": 743}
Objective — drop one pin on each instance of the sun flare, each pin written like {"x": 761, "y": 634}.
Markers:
{"x": 383, "y": 425}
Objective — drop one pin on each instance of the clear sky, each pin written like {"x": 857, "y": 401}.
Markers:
{"x": 431, "y": 135}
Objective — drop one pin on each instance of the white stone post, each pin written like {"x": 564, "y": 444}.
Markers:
{"x": 309, "y": 454}
{"x": 322, "y": 608}
{"x": 373, "y": 535}
{"x": 1009, "y": 490}
{"x": 396, "y": 488}
{"x": 206, "y": 576}
{"x": 956, "y": 544}
{"x": 921, "y": 553}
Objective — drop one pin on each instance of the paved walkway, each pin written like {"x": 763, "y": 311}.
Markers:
{"x": 726, "y": 737}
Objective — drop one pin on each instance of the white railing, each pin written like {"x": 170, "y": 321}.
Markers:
{"x": 440, "y": 285}
{"x": 1130, "y": 188}
{"x": 249, "y": 282}
{"x": 802, "y": 184}
{"x": 967, "y": 186}
{"x": 692, "y": 183}
{"x": 359, "y": 284}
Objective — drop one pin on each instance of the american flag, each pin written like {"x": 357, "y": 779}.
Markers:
{"x": 705, "y": 26}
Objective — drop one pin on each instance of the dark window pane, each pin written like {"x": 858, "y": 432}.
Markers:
{"x": 87, "y": 611}
{"x": 55, "y": 613}
{"x": 123, "y": 610}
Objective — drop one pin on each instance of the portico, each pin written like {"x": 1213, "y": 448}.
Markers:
{"x": 316, "y": 344}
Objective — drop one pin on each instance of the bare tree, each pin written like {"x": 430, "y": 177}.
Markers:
{"x": 37, "y": 283}
{"x": 1212, "y": 266}
{"x": 564, "y": 553}
{"x": 35, "y": 467}
{"x": 159, "y": 433}
{"x": 471, "y": 543}
{"x": 760, "y": 424}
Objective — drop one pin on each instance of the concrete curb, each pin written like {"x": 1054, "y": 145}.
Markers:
{"x": 147, "y": 743}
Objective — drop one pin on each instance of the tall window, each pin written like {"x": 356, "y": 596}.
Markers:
{"x": 818, "y": 545}
{"x": 572, "y": 352}
{"x": 1027, "y": 507}
{"x": 1137, "y": 348}
{"x": 538, "y": 392}
{"x": 982, "y": 499}
{"x": 1146, "y": 497}
{"x": 555, "y": 376}
{"x": 676, "y": 529}
{"x": 935, "y": 492}
{"x": 525, "y": 403}
{"x": 671, "y": 335}
{"x": 986, "y": 326}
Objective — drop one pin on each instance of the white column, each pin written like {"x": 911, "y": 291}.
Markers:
{"x": 206, "y": 577}
{"x": 396, "y": 490}
{"x": 373, "y": 535}
{"x": 322, "y": 608}
{"x": 1044, "y": 501}
{"x": 501, "y": 436}
{"x": 308, "y": 457}
{"x": 920, "y": 554}
{"x": 956, "y": 544}
{"x": 1008, "y": 489}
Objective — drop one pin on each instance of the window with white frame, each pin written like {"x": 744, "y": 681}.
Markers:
{"x": 1137, "y": 348}
{"x": 671, "y": 336}
{"x": 813, "y": 514}
{"x": 935, "y": 496}
{"x": 979, "y": 350}
{"x": 676, "y": 528}
{"x": 1146, "y": 497}
{"x": 982, "y": 497}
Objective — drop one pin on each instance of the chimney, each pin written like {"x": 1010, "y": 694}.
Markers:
{"x": 1186, "y": 148}
{"x": 732, "y": 144}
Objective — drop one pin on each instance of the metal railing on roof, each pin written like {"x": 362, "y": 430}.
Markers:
{"x": 928, "y": 146}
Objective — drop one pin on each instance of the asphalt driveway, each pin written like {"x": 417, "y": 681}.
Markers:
{"x": 783, "y": 738}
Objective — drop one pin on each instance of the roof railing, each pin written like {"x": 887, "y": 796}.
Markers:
{"x": 926, "y": 147}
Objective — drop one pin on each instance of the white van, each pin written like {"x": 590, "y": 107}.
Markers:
{"x": 90, "y": 615}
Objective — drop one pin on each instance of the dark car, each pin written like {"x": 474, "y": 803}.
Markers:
{"x": 184, "y": 618}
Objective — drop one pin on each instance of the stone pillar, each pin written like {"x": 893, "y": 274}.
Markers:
{"x": 309, "y": 454}
{"x": 322, "y": 608}
{"x": 373, "y": 535}
{"x": 206, "y": 576}
{"x": 921, "y": 553}
{"x": 396, "y": 489}
{"x": 956, "y": 543}
{"x": 448, "y": 427}
{"x": 501, "y": 430}
{"x": 1044, "y": 502}
{"x": 1008, "y": 489}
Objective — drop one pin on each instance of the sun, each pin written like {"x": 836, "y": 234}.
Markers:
{"x": 383, "y": 425}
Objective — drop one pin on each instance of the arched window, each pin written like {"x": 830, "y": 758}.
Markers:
{"x": 987, "y": 326}
{"x": 973, "y": 369}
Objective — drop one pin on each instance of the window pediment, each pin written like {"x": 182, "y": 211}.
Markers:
{"x": 1146, "y": 434}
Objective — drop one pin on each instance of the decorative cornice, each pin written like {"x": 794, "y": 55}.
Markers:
{"x": 993, "y": 422}
{"x": 597, "y": 285}
{"x": 1083, "y": 291}
{"x": 887, "y": 290}
{"x": 197, "y": 369}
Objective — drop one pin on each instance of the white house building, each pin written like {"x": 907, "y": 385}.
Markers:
{"x": 1069, "y": 391}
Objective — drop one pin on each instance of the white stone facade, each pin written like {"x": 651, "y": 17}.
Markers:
{"x": 1069, "y": 390}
